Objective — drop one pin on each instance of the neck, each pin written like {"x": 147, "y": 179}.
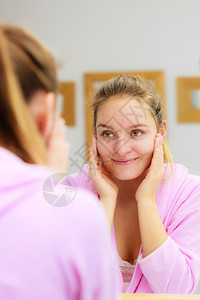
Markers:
{"x": 128, "y": 188}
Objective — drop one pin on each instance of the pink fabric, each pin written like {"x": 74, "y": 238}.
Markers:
{"x": 49, "y": 252}
{"x": 175, "y": 266}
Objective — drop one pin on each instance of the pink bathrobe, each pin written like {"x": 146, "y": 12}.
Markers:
{"x": 174, "y": 267}
{"x": 50, "y": 252}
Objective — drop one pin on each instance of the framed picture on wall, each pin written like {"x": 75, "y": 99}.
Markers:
{"x": 93, "y": 81}
{"x": 66, "y": 101}
{"x": 188, "y": 100}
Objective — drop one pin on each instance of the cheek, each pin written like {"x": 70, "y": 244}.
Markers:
{"x": 145, "y": 147}
{"x": 104, "y": 150}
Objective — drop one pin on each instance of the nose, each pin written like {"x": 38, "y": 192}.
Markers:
{"x": 122, "y": 146}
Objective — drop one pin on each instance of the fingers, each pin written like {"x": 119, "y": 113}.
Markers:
{"x": 93, "y": 164}
{"x": 60, "y": 127}
{"x": 94, "y": 140}
{"x": 92, "y": 159}
{"x": 93, "y": 156}
{"x": 157, "y": 164}
{"x": 58, "y": 134}
{"x": 58, "y": 147}
{"x": 158, "y": 146}
{"x": 94, "y": 147}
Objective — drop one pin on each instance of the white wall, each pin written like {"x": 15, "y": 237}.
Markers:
{"x": 115, "y": 35}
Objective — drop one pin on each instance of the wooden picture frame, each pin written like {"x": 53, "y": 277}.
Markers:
{"x": 158, "y": 297}
{"x": 94, "y": 80}
{"x": 186, "y": 86}
{"x": 67, "y": 101}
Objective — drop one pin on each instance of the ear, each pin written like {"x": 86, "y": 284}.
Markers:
{"x": 163, "y": 129}
{"x": 42, "y": 108}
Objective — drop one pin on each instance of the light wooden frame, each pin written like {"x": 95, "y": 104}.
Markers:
{"x": 158, "y": 297}
{"x": 67, "y": 90}
{"x": 185, "y": 86}
{"x": 91, "y": 78}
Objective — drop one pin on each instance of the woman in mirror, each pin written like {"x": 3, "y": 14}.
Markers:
{"x": 152, "y": 205}
{"x": 45, "y": 251}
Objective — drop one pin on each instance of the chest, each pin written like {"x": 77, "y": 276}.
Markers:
{"x": 127, "y": 233}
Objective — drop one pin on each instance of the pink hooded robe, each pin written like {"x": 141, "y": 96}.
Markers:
{"x": 48, "y": 252}
{"x": 174, "y": 267}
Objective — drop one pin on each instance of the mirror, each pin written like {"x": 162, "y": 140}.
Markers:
{"x": 196, "y": 99}
{"x": 188, "y": 99}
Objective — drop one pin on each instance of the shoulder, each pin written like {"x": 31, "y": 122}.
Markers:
{"x": 48, "y": 207}
{"x": 57, "y": 229}
{"x": 76, "y": 212}
{"x": 82, "y": 180}
{"x": 179, "y": 187}
{"x": 179, "y": 176}
{"x": 184, "y": 180}
{"x": 20, "y": 178}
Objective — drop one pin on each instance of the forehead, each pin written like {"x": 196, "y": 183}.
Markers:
{"x": 124, "y": 110}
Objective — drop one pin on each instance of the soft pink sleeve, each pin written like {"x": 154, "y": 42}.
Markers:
{"x": 175, "y": 266}
{"x": 54, "y": 252}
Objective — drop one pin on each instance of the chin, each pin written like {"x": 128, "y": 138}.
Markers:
{"x": 126, "y": 174}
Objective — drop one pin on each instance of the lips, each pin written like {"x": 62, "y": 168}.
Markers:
{"x": 124, "y": 162}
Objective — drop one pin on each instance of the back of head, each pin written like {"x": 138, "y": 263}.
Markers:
{"x": 26, "y": 66}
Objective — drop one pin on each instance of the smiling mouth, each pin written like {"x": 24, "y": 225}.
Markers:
{"x": 124, "y": 162}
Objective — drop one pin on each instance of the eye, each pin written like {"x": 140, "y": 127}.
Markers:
{"x": 107, "y": 134}
{"x": 136, "y": 133}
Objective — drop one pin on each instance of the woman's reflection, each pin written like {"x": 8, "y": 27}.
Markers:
{"x": 152, "y": 204}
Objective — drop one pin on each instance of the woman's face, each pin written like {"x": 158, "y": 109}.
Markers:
{"x": 125, "y": 136}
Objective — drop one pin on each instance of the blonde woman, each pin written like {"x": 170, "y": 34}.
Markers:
{"x": 152, "y": 205}
{"x": 45, "y": 251}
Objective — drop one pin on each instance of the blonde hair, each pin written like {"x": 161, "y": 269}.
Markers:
{"x": 26, "y": 66}
{"x": 143, "y": 91}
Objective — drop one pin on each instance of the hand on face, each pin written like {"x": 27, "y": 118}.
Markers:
{"x": 148, "y": 188}
{"x": 58, "y": 147}
{"x": 101, "y": 178}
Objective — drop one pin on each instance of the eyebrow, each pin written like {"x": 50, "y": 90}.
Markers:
{"x": 132, "y": 126}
